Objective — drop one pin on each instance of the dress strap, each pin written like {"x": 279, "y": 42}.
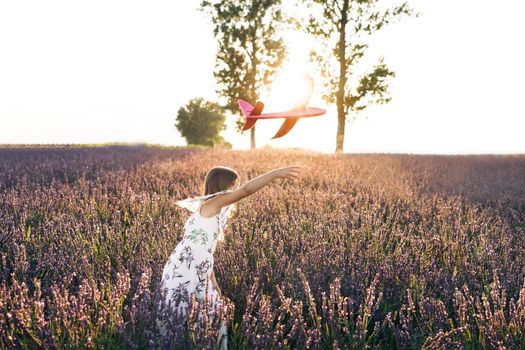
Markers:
{"x": 193, "y": 203}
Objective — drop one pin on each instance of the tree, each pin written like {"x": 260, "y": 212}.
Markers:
{"x": 200, "y": 122}
{"x": 250, "y": 49}
{"x": 344, "y": 27}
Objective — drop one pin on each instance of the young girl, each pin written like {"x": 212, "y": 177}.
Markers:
{"x": 190, "y": 266}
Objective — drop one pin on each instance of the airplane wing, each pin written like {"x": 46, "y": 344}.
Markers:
{"x": 286, "y": 127}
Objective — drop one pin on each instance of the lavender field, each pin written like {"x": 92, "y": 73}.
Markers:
{"x": 362, "y": 252}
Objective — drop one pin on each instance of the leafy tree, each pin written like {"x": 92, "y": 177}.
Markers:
{"x": 200, "y": 122}
{"x": 344, "y": 26}
{"x": 250, "y": 49}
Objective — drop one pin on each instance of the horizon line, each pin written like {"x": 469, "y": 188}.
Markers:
{"x": 158, "y": 145}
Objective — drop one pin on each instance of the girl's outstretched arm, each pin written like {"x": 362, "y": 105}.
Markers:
{"x": 214, "y": 204}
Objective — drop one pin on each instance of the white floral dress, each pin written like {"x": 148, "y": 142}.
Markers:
{"x": 190, "y": 265}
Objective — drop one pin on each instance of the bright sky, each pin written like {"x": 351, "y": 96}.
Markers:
{"x": 118, "y": 71}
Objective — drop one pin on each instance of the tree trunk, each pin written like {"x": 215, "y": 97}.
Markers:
{"x": 252, "y": 137}
{"x": 340, "y": 138}
{"x": 253, "y": 94}
{"x": 340, "y": 97}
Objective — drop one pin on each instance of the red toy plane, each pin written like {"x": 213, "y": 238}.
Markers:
{"x": 253, "y": 113}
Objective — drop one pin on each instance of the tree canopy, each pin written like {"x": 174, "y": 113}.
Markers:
{"x": 344, "y": 27}
{"x": 200, "y": 122}
{"x": 250, "y": 49}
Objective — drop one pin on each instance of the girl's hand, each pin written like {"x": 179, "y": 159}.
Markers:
{"x": 289, "y": 172}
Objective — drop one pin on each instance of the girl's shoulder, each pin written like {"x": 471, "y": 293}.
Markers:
{"x": 193, "y": 203}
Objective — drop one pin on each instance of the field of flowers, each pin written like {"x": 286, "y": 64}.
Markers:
{"x": 363, "y": 251}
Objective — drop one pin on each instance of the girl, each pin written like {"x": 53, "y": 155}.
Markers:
{"x": 190, "y": 266}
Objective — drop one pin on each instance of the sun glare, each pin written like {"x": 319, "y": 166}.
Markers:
{"x": 290, "y": 87}
{"x": 287, "y": 91}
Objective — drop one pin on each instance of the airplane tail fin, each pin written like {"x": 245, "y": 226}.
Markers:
{"x": 249, "y": 110}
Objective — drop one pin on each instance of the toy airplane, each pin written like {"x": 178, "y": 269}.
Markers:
{"x": 254, "y": 113}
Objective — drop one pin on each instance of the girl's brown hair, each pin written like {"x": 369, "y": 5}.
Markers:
{"x": 218, "y": 179}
